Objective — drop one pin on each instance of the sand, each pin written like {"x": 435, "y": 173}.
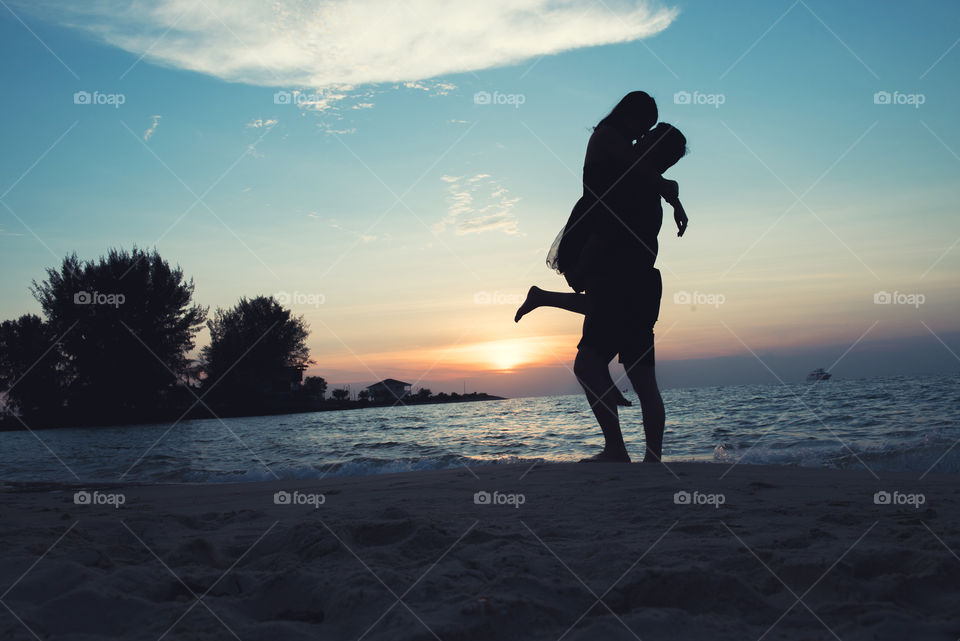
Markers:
{"x": 600, "y": 551}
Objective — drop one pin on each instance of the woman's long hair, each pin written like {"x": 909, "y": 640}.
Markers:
{"x": 636, "y": 105}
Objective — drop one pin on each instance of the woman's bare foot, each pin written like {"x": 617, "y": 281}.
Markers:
{"x": 606, "y": 456}
{"x": 531, "y": 303}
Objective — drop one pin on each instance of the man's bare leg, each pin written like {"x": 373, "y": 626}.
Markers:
{"x": 644, "y": 381}
{"x": 593, "y": 374}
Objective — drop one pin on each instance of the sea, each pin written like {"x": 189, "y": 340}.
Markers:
{"x": 903, "y": 423}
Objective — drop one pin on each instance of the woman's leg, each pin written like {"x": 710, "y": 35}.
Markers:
{"x": 536, "y": 297}
{"x": 576, "y": 303}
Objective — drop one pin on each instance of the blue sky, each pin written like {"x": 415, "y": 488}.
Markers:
{"x": 389, "y": 206}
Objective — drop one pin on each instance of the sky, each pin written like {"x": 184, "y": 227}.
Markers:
{"x": 395, "y": 172}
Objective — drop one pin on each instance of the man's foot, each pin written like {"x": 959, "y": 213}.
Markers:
{"x": 608, "y": 457}
{"x": 651, "y": 458}
{"x": 621, "y": 400}
{"x": 531, "y": 303}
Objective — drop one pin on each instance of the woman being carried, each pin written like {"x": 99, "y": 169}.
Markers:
{"x": 607, "y": 250}
{"x": 574, "y": 264}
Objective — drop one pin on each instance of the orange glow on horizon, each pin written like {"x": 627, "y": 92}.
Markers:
{"x": 495, "y": 356}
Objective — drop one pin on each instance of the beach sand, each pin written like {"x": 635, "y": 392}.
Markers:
{"x": 598, "y": 551}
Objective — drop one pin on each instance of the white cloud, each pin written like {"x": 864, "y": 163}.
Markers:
{"x": 332, "y": 43}
{"x": 476, "y": 204}
{"x": 434, "y": 88}
{"x": 148, "y": 134}
{"x": 260, "y": 123}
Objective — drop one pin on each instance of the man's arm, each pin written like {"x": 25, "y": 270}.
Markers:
{"x": 669, "y": 191}
{"x": 680, "y": 216}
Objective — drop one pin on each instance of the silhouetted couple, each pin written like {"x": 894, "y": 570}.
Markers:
{"x": 607, "y": 252}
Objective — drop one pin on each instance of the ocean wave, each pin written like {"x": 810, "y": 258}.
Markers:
{"x": 358, "y": 467}
{"x": 904, "y": 424}
{"x": 931, "y": 454}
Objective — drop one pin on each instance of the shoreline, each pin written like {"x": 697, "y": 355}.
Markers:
{"x": 503, "y": 567}
{"x": 9, "y": 424}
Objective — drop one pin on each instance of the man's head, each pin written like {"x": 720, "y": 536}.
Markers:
{"x": 662, "y": 147}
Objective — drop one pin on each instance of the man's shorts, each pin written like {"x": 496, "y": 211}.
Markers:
{"x": 623, "y": 312}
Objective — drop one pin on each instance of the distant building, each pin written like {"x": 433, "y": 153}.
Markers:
{"x": 389, "y": 389}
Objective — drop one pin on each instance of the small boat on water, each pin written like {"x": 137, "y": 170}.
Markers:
{"x": 818, "y": 374}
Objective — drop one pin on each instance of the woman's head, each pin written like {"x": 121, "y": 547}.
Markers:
{"x": 634, "y": 114}
{"x": 663, "y": 146}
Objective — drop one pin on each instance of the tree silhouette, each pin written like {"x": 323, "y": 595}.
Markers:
{"x": 127, "y": 324}
{"x": 340, "y": 394}
{"x": 252, "y": 346}
{"x": 315, "y": 386}
{"x": 29, "y": 367}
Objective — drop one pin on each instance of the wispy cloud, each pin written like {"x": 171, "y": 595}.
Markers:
{"x": 260, "y": 123}
{"x": 328, "y": 129}
{"x": 436, "y": 88}
{"x": 331, "y": 43}
{"x": 476, "y": 204}
{"x": 332, "y": 222}
{"x": 148, "y": 134}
